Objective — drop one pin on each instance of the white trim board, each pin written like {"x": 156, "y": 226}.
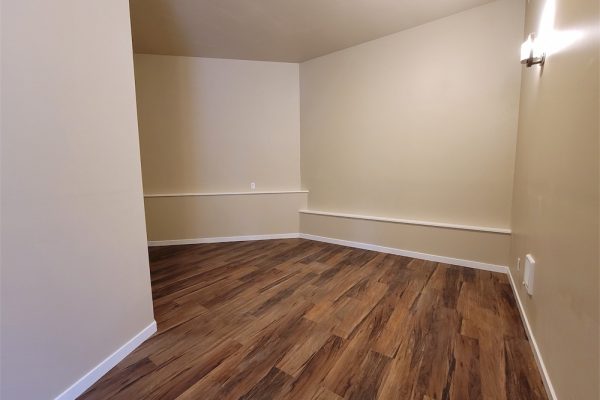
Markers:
{"x": 365, "y": 246}
{"x": 407, "y": 253}
{"x": 504, "y": 231}
{"x": 534, "y": 346}
{"x": 86, "y": 381}
{"x": 223, "y": 193}
{"x": 223, "y": 239}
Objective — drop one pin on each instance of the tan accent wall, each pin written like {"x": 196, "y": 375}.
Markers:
{"x": 215, "y": 125}
{"x": 556, "y": 199}
{"x": 75, "y": 279}
{"x": 489, "y": 248}
{"x": 420, "y": 124}
{"x": 173, "y": 218}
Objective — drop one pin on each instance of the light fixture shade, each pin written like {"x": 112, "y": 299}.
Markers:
{"x": 531, "y": 51}
{"x": 526, "y": 49}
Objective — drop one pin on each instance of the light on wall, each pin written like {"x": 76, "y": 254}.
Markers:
{"x": 548, "y": 41}
{"x": 532, "y": 52}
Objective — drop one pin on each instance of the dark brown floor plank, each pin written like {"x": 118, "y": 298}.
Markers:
{"x": 297, "y": 319}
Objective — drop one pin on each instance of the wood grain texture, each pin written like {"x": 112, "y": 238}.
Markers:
{"x": 297, "y": 319}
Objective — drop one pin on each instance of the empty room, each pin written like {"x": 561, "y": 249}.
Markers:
{"x": 301, "y": 199}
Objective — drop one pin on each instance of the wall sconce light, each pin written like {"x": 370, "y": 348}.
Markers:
{"x": 531, "y": 52}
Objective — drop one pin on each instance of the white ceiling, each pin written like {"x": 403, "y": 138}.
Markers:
{"x": 275, "y": 30}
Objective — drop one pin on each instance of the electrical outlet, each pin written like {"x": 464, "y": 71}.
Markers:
{"x": 252, "y": 186}
{"x": 518, "y": 263}
{"x": 529, "y": 273}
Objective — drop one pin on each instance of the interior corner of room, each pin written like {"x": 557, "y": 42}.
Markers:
{"x": 149, "y": 145}
{"x": 384, "y": 157}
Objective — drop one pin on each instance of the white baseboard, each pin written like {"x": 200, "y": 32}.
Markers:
{"x": 365, "y": 246}
{"x": 99, "y": 370}
{"x": 412, "y": 254}
{"x": 534, "y": 346}
{"x": 223, "y": 239}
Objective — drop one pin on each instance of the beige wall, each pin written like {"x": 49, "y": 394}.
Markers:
{"x": 75, "y": 281}
{"x": 420, "y": 124}
{"x": 556, "y": 199}
{"x": 213, "y": 125}
{"x": 192, "y": 217}
{"x": 485, "y": 247}
{"x": 369, "y": 142}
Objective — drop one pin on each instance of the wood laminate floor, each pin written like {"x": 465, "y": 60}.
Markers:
{"x": 298, "y": 319}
